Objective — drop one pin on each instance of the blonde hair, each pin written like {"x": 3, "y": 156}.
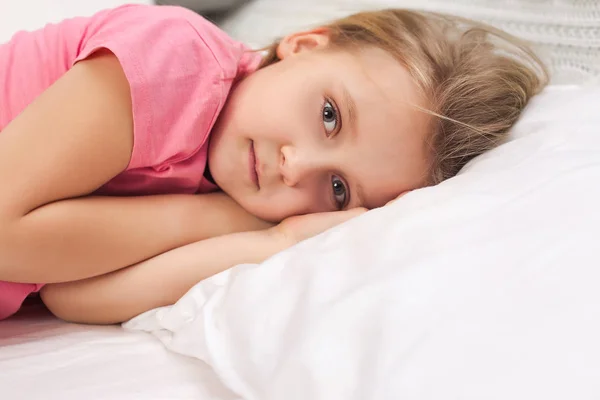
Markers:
{"x": 476, "y": 78}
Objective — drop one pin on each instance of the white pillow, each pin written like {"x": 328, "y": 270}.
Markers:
{"x": 484, "y": 287}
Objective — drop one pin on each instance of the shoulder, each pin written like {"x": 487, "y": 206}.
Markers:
{"x": 180, "y": 68}
{"x": 227, "y": 52}
{"x": 172, "y": 31}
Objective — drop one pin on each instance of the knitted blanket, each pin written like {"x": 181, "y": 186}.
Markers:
{"x": 566, "y": 33}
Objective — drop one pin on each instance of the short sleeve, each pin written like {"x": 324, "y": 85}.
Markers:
{"x": 174, "y": 77}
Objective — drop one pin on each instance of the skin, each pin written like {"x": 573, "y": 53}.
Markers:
{"x": 330, "y": 130}
{"x": 51, "y": 229}
{"x": 311, "y": 158}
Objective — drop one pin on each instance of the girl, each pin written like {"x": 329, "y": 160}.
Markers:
{"x": 110, "y": 124}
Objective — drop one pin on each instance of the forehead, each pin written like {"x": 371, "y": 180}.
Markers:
{"x": 382, "y": 85}
{"x": 389, "y": 136}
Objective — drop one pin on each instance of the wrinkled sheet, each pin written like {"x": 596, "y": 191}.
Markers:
{"x": 44, "y": 358}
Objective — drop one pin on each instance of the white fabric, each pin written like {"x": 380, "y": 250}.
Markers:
{"x": 484, "y": 287}
{"x": 42, "y": 358}
{"x": 566, "y": 33}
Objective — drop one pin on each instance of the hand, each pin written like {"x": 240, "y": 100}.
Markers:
{"x": 298, "y": 228}
{"x": 395, "y": 199}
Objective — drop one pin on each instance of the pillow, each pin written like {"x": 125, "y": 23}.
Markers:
{"x": 483, "y": 287}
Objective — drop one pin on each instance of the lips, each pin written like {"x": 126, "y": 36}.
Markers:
{"x": 252, "y": 165}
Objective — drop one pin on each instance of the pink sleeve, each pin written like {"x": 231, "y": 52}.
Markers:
{"x": 175, "y": 79}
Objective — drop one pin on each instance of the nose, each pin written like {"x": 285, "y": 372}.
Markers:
{"x": 295, "y": 165}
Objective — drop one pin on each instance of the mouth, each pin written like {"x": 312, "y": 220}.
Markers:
{"x": 252, "y": 163}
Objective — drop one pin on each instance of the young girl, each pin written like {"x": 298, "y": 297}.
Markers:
{"x": 110, "y": 124}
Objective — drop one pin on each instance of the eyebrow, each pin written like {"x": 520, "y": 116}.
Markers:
{"x": 350, "y": 107}
{"x": 360, "y": 195}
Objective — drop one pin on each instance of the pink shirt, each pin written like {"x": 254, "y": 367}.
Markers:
{"x": 180, "y": 70}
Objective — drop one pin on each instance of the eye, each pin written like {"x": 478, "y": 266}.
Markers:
{"x": 330, "y": 117}
{"x": 340, "y": 193}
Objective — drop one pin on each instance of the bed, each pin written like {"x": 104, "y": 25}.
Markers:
{"x": 484, "y": 287}
{"x": 44, "y": 358}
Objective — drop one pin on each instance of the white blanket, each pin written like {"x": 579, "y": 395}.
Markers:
{"x": 484, "y": 287}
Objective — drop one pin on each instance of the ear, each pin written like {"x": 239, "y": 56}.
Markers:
{"x": 304, "y": 41}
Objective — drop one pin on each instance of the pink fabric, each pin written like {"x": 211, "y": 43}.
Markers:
{"x": 180, "y": 69}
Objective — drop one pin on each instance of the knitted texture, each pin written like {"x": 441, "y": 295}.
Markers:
{"x": 565, "y": 33}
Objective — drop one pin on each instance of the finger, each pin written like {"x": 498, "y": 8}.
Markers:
{"x": 339, "y": 217}
{"x": 396, "y": 199}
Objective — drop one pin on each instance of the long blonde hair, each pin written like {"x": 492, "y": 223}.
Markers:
{"x": 477, "y": 78}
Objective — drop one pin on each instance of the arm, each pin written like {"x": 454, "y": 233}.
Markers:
{"x": 81, "y": 238}
{"x": 69, "y": 142}
{"x": 162, "y": 280}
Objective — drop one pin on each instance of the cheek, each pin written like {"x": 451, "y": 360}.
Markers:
{"x": 284, "y": 202}
{"x": 276, "y": 206}
{"x": 289, "y": 109}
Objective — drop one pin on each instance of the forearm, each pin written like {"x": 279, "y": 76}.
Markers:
{"x": 159, "y": 281}
{"x": 86, "y": 237}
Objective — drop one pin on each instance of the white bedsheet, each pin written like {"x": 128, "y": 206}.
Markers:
{"x": 46, "y": 359}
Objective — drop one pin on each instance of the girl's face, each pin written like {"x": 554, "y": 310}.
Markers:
{"x": 320, "y": 131}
